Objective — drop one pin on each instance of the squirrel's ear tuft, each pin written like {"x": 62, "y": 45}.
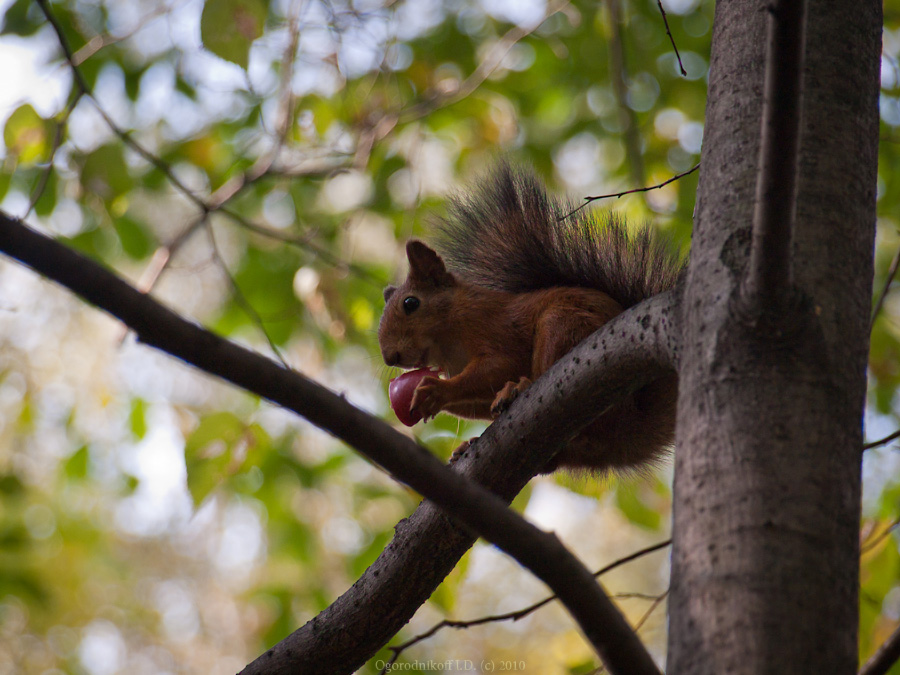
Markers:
{"x": 426, "y": 266}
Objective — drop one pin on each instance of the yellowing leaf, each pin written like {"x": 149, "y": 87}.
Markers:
{"x": 27, "y": 135}
{"x": 227, "y": 27}
{"x": 207, "y": 152}
{"x": 630, "y": 503}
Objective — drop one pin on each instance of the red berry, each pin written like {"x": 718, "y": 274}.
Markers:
{"x": 401, "y": 390}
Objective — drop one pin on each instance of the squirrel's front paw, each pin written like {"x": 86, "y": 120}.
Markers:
{"x": 507, "y": 395}
{"x": 428, "y": 399}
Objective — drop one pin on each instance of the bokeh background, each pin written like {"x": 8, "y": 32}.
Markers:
{"x": 258, "y": 165}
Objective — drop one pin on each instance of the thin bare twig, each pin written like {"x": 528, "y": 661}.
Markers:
{"x": 887, "y": 439}
{"x": 286, "y": 96}
{"x": 880, "y": 537}
{"x": 635, "y": 596}
{"x": 98, "y": 42}
{"x": 657, "y": 601}
{"x": 307, "y": 244}
{"x": 617, "y": 195}
{"x": 671, "y": 39}
{"x": 239, "y": 296}
{"x": 223, "y": 195}
{"x": 216, "y": 203}
{"x": 126, "y": 137}
{"x": 57, "y": 142}
{"x": 516, "y": 615}
{"x": 892, "y": 272}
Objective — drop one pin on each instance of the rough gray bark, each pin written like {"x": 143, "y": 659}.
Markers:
{"x": 765, "y": 559}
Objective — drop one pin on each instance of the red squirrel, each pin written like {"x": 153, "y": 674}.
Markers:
{"x": 516, "y": 285}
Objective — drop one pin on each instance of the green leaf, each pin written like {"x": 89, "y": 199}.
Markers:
{"x": 879, "y": 572}
{"x": 105, "y": 174}
{"x": 630, "y": 504}
{"x": 96, "y": 242}
{"x": 23, "y": 584}
{"x": 136, "y": 242}
{"x": 17, "y": 21}
{"x": 206, "y": 463}
{"x": 137, "y": 419}
{"x": 224, "y": 426}
{"x": 220, "y": 447}
{"x": 76, "y": 467}
{"x": 5, "y": 178}
{"x": 14, "y": 536}
{"x": 228, "y": 27}
{"x": 266, "y": 281}
{"x": 210, "y": 153}
{"x": 205, "y": 474}
{"x": 47, "y": 201}
{"x": 11, "y": 486}
{"x": 26, "y": 416}
{"x": 27, "y": 135}
{"x": 131, "y": 484}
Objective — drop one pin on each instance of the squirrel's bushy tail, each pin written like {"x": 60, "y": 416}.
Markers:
{"x": 509, "y": 234}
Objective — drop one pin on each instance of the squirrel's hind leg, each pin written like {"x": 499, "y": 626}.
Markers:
{"x": 631, "y": 436}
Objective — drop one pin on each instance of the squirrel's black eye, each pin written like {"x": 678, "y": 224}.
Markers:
{"x": 410, "y": 304}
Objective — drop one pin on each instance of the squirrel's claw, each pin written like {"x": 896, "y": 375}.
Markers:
{"x": 507, "y": 395}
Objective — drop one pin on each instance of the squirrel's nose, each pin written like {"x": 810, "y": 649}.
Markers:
{"x": 391, "y": 359}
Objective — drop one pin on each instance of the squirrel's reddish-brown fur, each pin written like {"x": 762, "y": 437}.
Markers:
{"x": 516, "y": 286}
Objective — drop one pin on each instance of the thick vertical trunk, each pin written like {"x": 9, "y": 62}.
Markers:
{"x": 764, "y": 570}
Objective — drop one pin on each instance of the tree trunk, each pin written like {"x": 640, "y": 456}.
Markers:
{"x": 766, "y": 506}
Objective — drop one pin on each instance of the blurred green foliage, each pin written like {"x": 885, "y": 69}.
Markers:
{"x": 268, "y": 161}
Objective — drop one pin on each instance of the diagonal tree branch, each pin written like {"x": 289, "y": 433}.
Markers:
{"x": 624, "y": 355}
{"x": 883, "y": 660}
{"x": 635, "y": 348}
{"x": 532, "y": 421}
{"x": 889, "y": 279}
